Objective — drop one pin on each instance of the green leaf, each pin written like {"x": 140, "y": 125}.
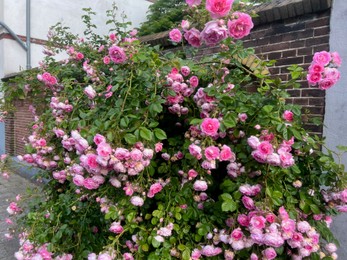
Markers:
{"x": 146, "y": 134}
{"x": 186, "y": 254}
{"x": 155, "y": 243}
{"x": 229, "y": 121}
{"x": 155, "y": 108}
{"x": 296, "y": 133}
{"x": 160, "y": 134}
{"x": 229, "y": 206}
{"x": 268, "y": 108}
{"x": 130, "y": 138}
{"x": 315, "y": 209}
{"x": 181, "y": 247}
{"x": 195, "y": 121}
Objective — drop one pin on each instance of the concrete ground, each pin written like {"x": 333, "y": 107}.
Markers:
{"x": 9, "y": 189}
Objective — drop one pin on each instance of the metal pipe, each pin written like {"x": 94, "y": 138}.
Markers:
{"x": 21, "y": 43}
{"x": 28, "y": 27}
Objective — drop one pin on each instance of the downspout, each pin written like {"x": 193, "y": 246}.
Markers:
{"x": 8, "y": 29}
{"x": 28, "y": 27}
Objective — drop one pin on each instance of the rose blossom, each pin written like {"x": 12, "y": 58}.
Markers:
{"x": 248, "y": 202}
{"x": 117, "y": 54}
{"x": 212, "y": 153}
{"x": 137, "y": 201}
{"x": 265, "y": 148}
{"x": 104, "y": 149}
{"x": 200, "y": 185}
{"x": 194, "y": 81}
{"x": 253, "y": 142}
{"x": 240, "y": 27}
{"x": 288, "y": 116}
{"x": 314, "y": 77}
{"x": 154, "y": 189}
{"x": 210, "y": 126}
{"x": 98, "y": 139}
{"x": 210, "y": 250}
{"x": 78, "y": 180}
{"x": 226, "y": 154}
{"x": 237, "y": 234}
{"x": 218, "y": 8}
{"x": 116, "y": 228}
{"x": 90, "y": 92}
{"x": 193, "y": 37}
{"x": 269, "y": 253}
{"x": 213, "y": 33}
{"x": 175, "y": 35}
{"x": 193, "y": 2}
{"x": 322, "y": 58}
{"x": 336, "y": 58}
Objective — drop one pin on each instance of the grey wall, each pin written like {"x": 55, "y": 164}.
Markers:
{"x": 335, "y": 121}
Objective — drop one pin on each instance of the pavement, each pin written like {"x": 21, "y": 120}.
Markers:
{"x": 9, "y": 189}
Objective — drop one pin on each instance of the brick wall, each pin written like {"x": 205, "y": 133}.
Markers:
{"x": 17, "y": 128}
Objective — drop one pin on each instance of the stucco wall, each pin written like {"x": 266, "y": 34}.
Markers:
{"x": 46, "y": 13}
{"x": 336, "y": 106}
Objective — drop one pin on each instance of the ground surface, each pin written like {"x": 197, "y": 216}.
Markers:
{"x": 9, "y": 189}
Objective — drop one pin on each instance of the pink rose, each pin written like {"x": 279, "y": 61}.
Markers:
{"x": 90, "y": 92}
{"x": 158, "y": 147}
{"x": 243, "y": 117}
{"x": 326, "y": 84}
{"x": 313, "y": 78}
{"x": 200, "y": 185}
{"x": 237, "y": 234}
{"x": 336, "y": 59}
{"x": 196, "y": 254}
{"x": 316, "y": 68}
{"x": 194, "y": 81}
{"x": 122, "y": 154}
{"x": 258, "y": 222}
{"x": 193, "y": 37}
{"x": 240, "y": 27}
{"x": 218, "y": 8}
{"x": 288, "y": 116}
{"x": 270, "y": 218}
{"x": 248, "y": 202}
{"x": 104, "y": 149}
{"x": 185, "y": 70}
{"x": 273, "y": 159}
{"x": 269, "y": 253}
{"x": 253, "y": 142}
{"x": 185, "y": 25}
{"x": 210, "y": 250}
{"x": 106, "y": 60}
{"x": 213, "y": 33}
{"x": 116, "y": 227}
{"x": 91, "y": 161}
{"x": 78, "y": 180}
{"x": 192, "y": 173}
{"x": 98, "y": 139}
{"x": 136, "y": 154}
{"x": 343, "y": 196}
{"x": 211, "y": 153}
{"x": 137, "y": 201}
{"x": 287, "y": 160}
{"x": 332, "y": 73}
{"x": 117, "y": 54}
{"x": 265, "y": 148}
{"x": 193, "y": 2}
{"x": 243, "y": 220}
{"x": 210, "y": 126}
{"x": 90, "y": 184}
{"x": 175, "y": 35}
{"x": 154, "y": 189}
{"x": 226, "y": 154}
{"x": 259, "y": 156}
{"x": 195, "y": 151}
{"x": 128, "y": 256}
{"x": 322, "y": 58}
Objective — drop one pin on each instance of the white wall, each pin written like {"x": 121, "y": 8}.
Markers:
{"x": 335, "y": 121}
{"x": 46, "y": 13}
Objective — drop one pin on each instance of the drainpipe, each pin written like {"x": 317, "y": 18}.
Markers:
{"x": 28, "y": 27}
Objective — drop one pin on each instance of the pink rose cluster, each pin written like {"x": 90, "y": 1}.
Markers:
{"x": 323, "y": 70}
{"x": 75, "y": 54}
{"x": 91, "y": 71}
{"x": 337, "y": 199}
{"x": 59, "y": 109}
{"x": 117, "y": 54}
{"x": 47, "y": 79}
{"x": 216, "y": 30}
{"x": 264, "y": 152}
{"x": 182, "y": 87}
{"x": 206, "y": 103}
{"x": 270, "y": 231}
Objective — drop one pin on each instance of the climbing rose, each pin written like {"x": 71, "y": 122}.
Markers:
{"x": 269, "y": 253}
{"x": 210, "y": 126}
{"x": 90, "y": 92}
{"x": 240, "y": 27}
{"x": 213, "y": 33}
{"x": 212, "y": 152}
{"x": 117, "y": 54}
{"x": 116, "y": 228}
{"x": 175, "y": 35}
{"x": 200, "y": 185}
{"x": 136, "y": 201}
{"x": 322, "y": 58}
{"x": 154, "y": 189}
{"x": 288, "y": 116}
{"x": 218, "y": 8}
{"x": 193, "y": 2}
{"x": 193, "y": 37}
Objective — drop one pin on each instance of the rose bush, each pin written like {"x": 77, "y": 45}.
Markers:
{"x": 151, "y": 156}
